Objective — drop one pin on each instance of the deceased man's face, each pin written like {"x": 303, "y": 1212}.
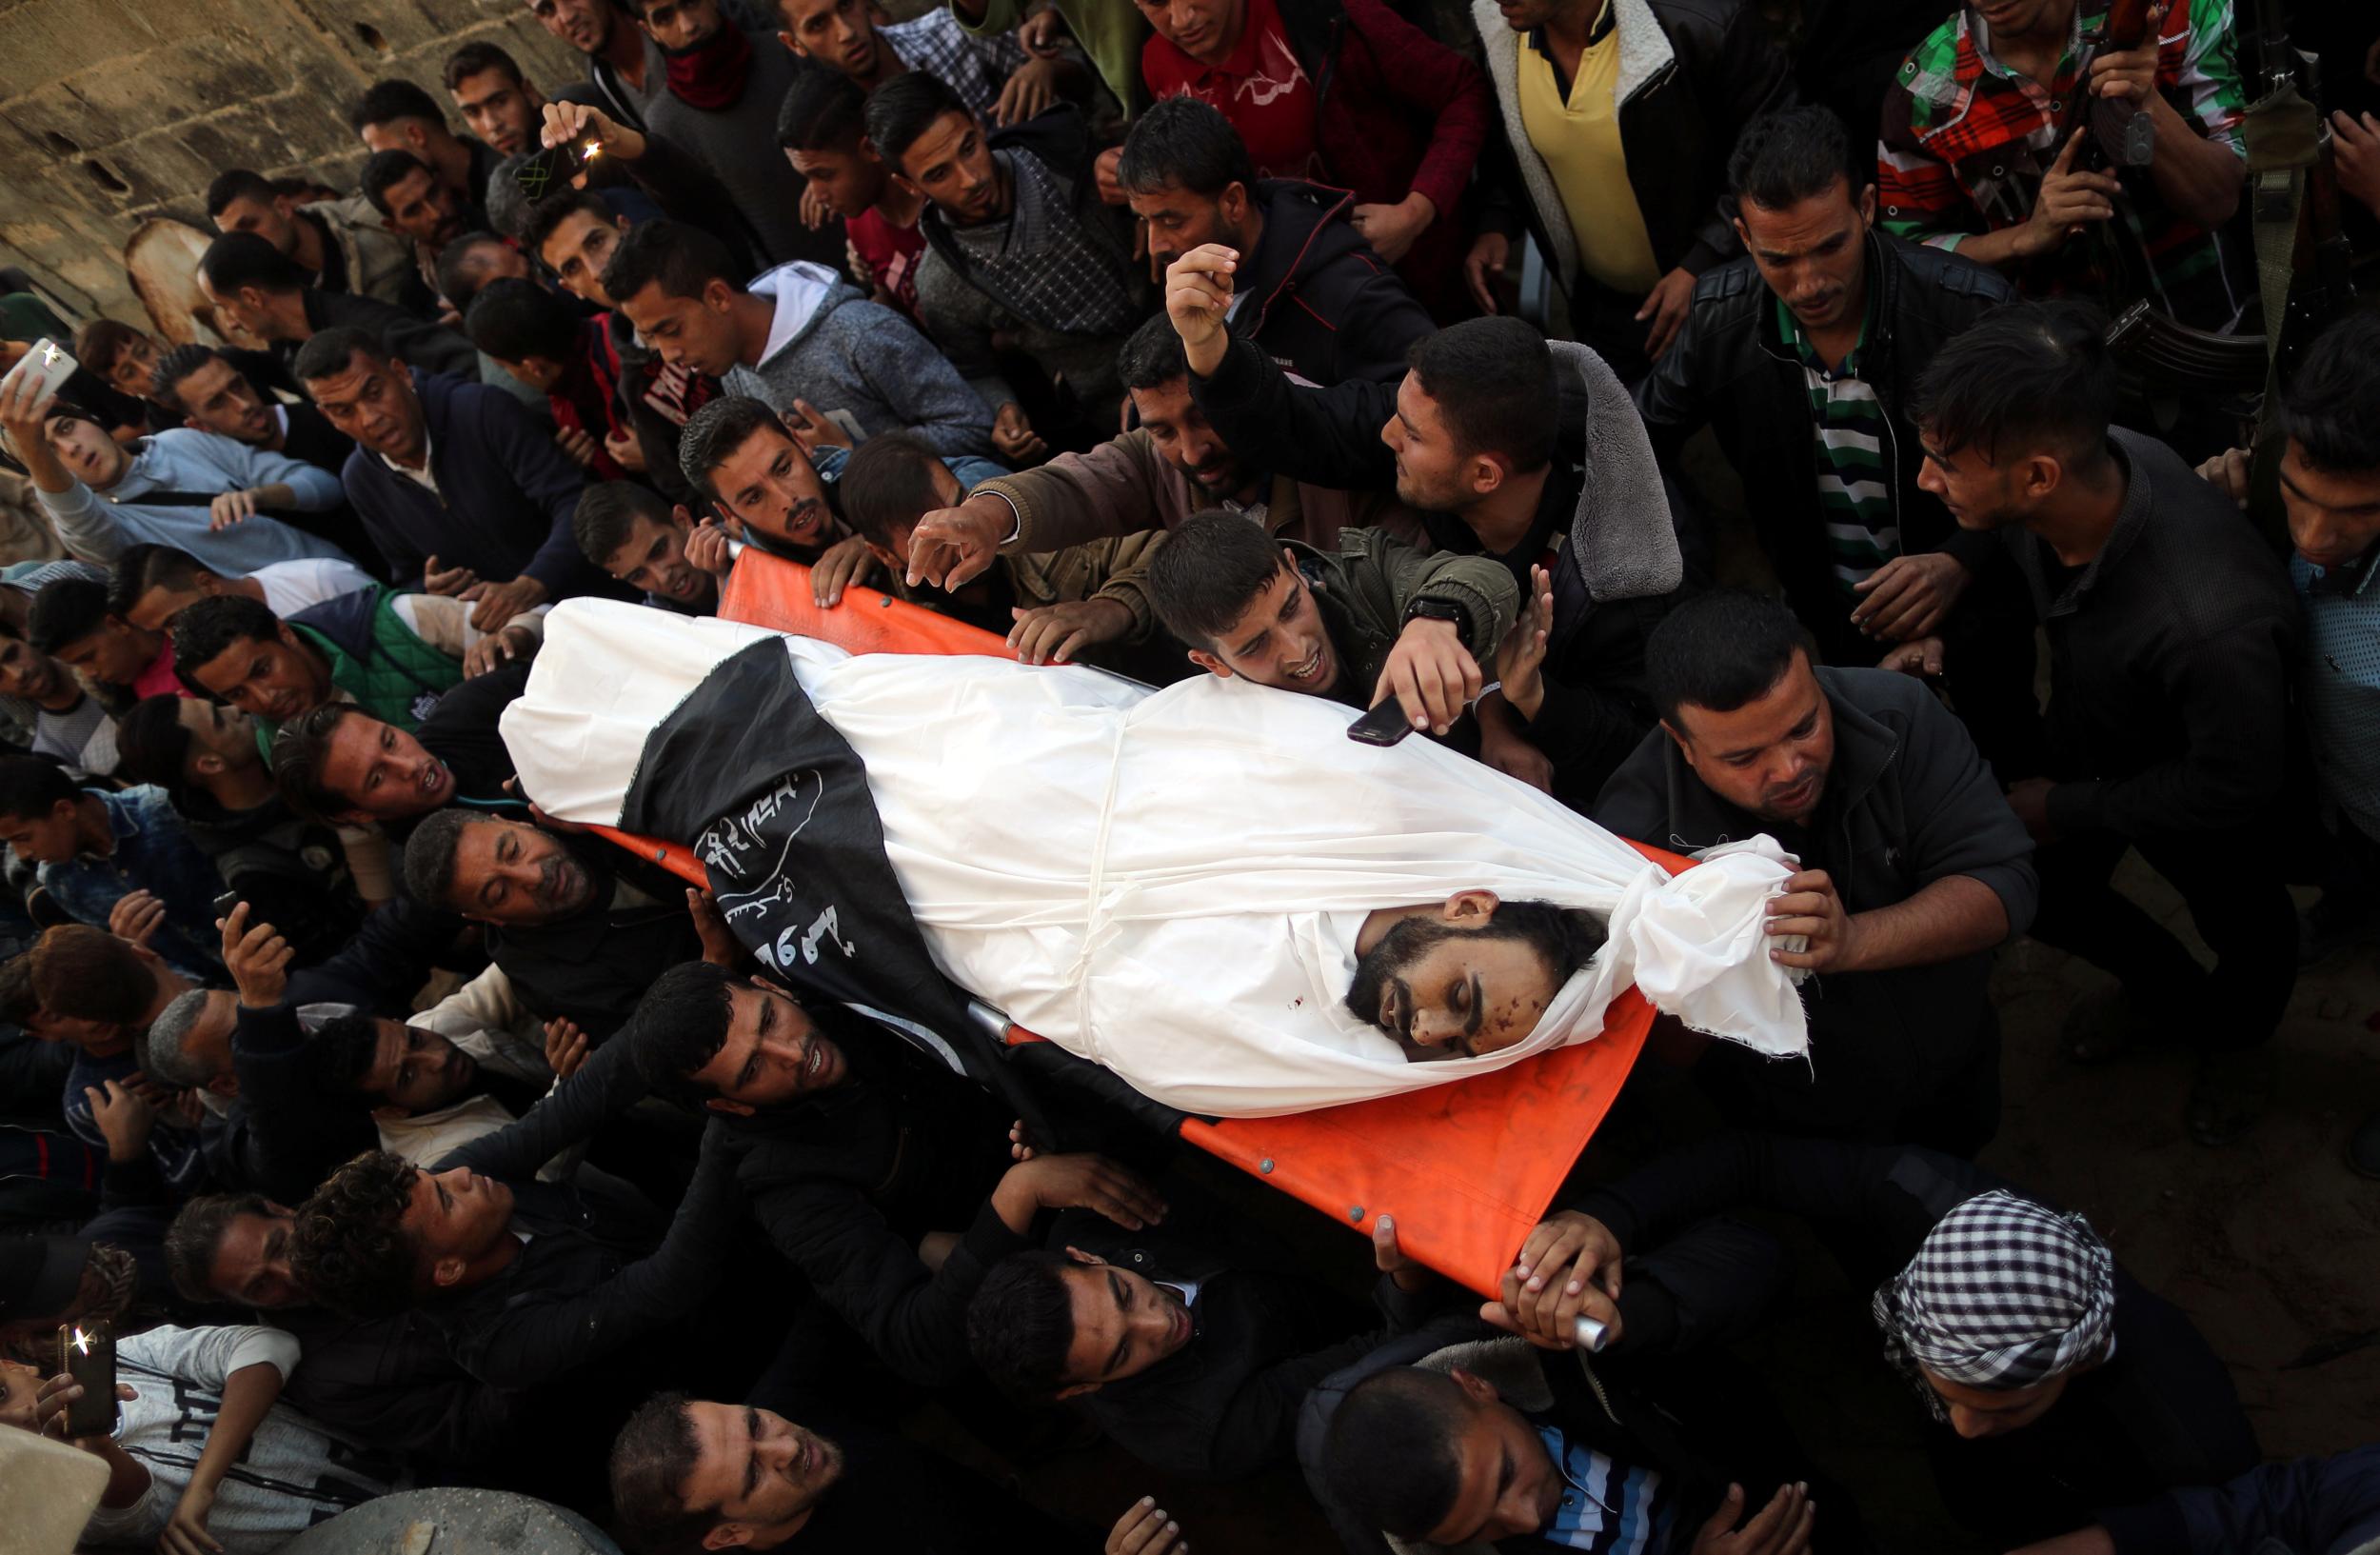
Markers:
{"x": 1472, "y": 976}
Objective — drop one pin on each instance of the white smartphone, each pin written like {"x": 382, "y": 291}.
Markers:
{"x": 50, "y": 365}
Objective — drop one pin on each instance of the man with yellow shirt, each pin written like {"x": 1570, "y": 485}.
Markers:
{"x": 1620, "y": 116}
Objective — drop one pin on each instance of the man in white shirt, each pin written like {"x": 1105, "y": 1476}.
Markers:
{"x": 150, "y": 584}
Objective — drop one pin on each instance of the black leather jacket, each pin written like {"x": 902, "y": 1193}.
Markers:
{"x": 1727, "y": 367}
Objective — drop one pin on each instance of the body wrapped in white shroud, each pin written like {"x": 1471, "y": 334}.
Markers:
{"x": 1170, "y": 883}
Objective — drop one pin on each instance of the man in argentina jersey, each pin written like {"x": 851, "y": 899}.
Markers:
{"x": 179, "y": 1389}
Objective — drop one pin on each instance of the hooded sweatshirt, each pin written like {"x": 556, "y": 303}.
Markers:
{"x": 832, "y": 346}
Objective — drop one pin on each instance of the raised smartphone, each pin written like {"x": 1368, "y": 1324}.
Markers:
{"x": 87, "y": 1353}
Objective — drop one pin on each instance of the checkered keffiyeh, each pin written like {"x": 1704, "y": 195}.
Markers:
{"x": 2002, "y": 1294}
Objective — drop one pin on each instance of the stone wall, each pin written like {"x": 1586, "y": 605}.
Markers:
{"x": 114, "y": 111}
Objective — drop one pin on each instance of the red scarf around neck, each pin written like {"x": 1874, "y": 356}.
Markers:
{"x": 711, "y": 74}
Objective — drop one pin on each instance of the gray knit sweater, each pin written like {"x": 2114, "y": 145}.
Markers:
{"x": 739, "y": 144}
{"x": 841, "y": 352}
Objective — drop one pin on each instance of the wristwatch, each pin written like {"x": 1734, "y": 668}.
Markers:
{"x": 1426, "y": 608}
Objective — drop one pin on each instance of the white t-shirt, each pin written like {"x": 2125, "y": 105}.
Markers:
{"x": 291, "y": 586}
{"x": 294, "y": 1474}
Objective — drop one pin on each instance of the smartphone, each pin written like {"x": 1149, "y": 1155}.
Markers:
{"x": 87, "y": 1353}
{"x": 49, "y": 363}
{"x": 224, "y": 904}
{"x": 549, "y": 169}
{"x": 1384, "y": 725}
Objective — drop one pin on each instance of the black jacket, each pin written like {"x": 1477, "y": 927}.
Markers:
{"x": 1319, "y": 301}
{"x": 2160, "y": 1413}
{"x": 1727, "y": 369}
{"x": 845, "y": 1181}
{"x": 1907, "y": 802}
{"x": 591, "y": 1277}
{"x": 291, "y": 1135}
{"x": 1678, "y": 128}
{"x": 392, "y": 1384}
{"x": 2169, "y": 661}
{"x": 1225, "y": 1405}
{"x": 594, "y": 965}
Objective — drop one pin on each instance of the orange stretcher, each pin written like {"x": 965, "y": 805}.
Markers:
{"x": 1466, "y": 1169}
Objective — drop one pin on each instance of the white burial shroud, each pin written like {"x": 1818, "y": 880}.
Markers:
{"x": 1170, "y": 883}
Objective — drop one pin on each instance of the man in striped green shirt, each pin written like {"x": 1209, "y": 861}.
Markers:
{"x": 1800, "y": 357}
{"x": 1847, "y": 425}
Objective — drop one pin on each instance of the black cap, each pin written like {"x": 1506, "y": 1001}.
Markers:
{"x": 40, "y": 1275}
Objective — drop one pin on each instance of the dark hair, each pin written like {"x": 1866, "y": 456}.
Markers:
{"x": 209, "y": 628}
{"x": 1151, "y": 357}
{"x": 196, "y": 1233}
{"x": 606, "y": 516}
{"x": 2331, "y": 407}
{"x": 681, "y": 259}
{"x": 1021, "y": 1325}
{"x": 554, "y": 209}
{"x": 178, "y": 363}
{"x": 1720, "y": 651}
{"x": 2027, "y": 376}
{"x": 31, "y": 786}
{"x": 237, "y": 184}
{"x": 514, "y": 319}
{"x": 1182, "y": 141}
{"x": 297, "y": 757}
{"x": 824, "y": 111}
{"x": 145, "y": 565}
{"x": 888, "y": 481}
{"x": 339, "y": 1052}
{"x": 1784, "y": 158}
{"x": 384, "y": 170}
{"x": 151, "y": 744}
{"x": 99, "y": 343}
{"x": 66, "y": 610}
{"x": 399, "y": 99}
{"x": 1564, "y": 939}
{"x": 243, "y": 259}
{"x": 903, "y": 108}
{"x": 1492, "y": 380}
{"x": 86, "y": 973}
{"x": 429, "y": 854}
{"x": 330, "y": 353}
{"x": 681, "y": 1023}
{"x": 19, "y": 1004}
{"x": 305, "y": 187}
{"x": 474, "y": 57}
{"x": 714, "y": 432}
{"x": 650, "y": 1460}
{"x": 1392, "y": 1456}
{"x": 1209, "y": 571}
{"x": 458, "y": 276}
{"x": 351, "y": 1249}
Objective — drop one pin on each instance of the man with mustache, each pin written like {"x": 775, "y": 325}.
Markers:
{"x": 1911, "y": 868}
{"x": 1801, "y": 355}
{"x": 617, "y": 65}
{"x": 580, "y": 927}
{"x": 769, "y": 481}
{"x": 452, "y": 471}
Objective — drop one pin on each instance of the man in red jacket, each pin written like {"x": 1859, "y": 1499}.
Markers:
{"x": 1344, "y": 92}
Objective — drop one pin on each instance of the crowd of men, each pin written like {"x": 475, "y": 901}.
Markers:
{"x": 407, "y": 1136}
